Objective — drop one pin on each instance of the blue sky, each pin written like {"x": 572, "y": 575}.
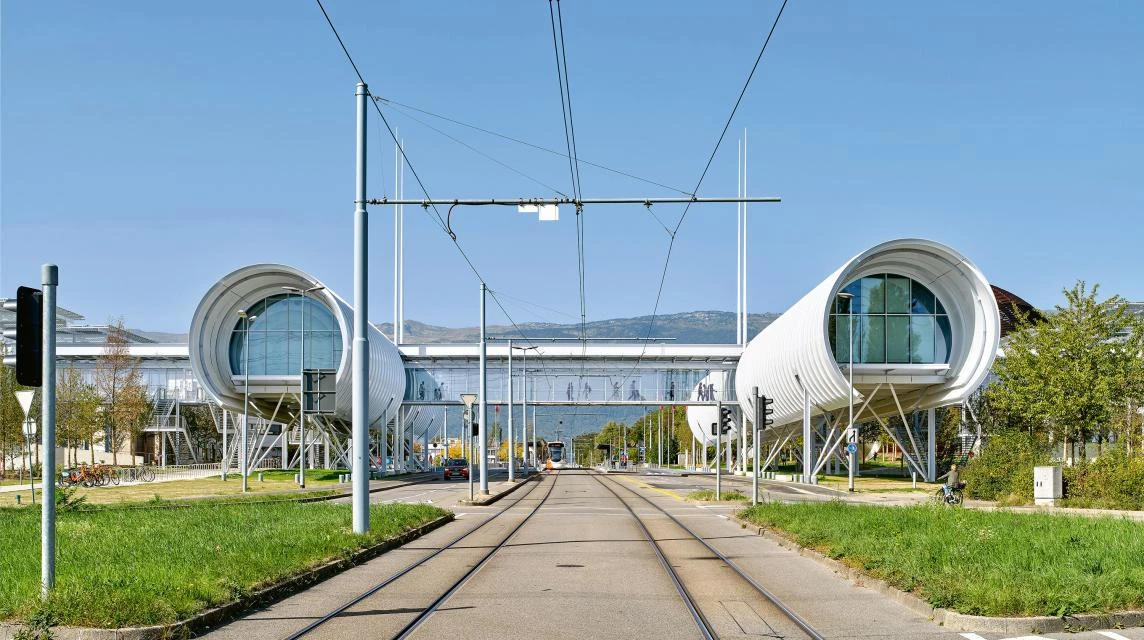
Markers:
{"x": 161, "y": 145}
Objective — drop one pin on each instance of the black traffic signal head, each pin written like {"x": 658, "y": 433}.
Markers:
{"x": 765, "y": 403}
{"x": 726, "y": 420}
{"x": 476, "y": 429}
{"x": 715, "y": 428}
{"x": 28, "y": 335}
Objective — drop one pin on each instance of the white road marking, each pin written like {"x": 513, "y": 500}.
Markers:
{"x": 972, "y": 636}
{"x": 1113, "y": 635}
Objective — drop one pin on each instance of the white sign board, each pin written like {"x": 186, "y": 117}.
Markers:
{"x": 25, "y": 399}
{"x": 547, "y": 212}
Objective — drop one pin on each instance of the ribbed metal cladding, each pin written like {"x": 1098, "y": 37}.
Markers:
{"x": 217, "y": 314}
{"x": 794, "y": 350}
{"x": 422, "y": 418}
{"x": 700, "y": 417}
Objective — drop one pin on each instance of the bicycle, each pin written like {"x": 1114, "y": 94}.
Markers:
{"x": 950, "y": 495}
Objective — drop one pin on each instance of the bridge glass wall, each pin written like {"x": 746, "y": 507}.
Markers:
{"x": 896, "y": 321}
{"x": 562, "y": 383}
{"x": 274, "y": 338}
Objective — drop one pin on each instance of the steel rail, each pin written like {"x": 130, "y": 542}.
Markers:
{"x": 696, "y": 614}
{"x": 763, "y": 591}
{"x": 340, "y": 609}
{"x": 432, "y": 608}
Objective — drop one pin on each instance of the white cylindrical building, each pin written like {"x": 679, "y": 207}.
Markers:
{"x": 224, "y": 346}
{"x": 926, "y": 330}
{"x": 700, "y": 417}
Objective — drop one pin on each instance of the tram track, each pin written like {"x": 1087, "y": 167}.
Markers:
{"x": 428, "y": 611}
{"x": 694, "y": 607}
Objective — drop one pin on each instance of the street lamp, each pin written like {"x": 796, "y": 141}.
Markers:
{"x": 523, "y": 401}
{"x": 246, "y": 393}
{"x": 853, "y": 435}
{"x": 469, "y": 399}
{"x": 302, "y": 388}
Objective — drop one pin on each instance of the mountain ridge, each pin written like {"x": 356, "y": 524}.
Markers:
{"x": 689, "y": 327}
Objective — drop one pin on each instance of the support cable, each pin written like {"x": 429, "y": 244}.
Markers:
{"x": 429, "y": 201}
{"x": 699, "y": 183}
{"x": 482, "y": 153}
{"x": 402, "y": 107}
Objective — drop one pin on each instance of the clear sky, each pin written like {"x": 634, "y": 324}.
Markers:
{"x": 149, "y": 148}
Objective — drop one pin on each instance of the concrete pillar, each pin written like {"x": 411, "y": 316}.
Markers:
{"x": 807, "y": 439}
{"x": 285, "y": 446}
{"x": 931, "y": 445}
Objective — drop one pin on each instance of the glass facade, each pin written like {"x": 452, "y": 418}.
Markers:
{"x": 272, "y": 344}
{"x": 561, "y": 382}
{"x": 896, "y": 320}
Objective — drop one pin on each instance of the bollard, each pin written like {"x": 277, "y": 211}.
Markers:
{"x": 17, "y": 499}
{"x": 260, "y": 476}
{"x": 915, "y": 478}
{"x": 297, "y": 479}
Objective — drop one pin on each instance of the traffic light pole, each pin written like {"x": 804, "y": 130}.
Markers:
{"x": 51, "y": 279}
{"x": 718, "y": 429}
{"x": 755, "y": 437}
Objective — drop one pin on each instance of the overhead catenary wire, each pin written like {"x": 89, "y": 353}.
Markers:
{"x": 482, "y": 153}
{"x": 428, "y": 203}
{"x": 703, "y": 176}
{"x": 399, "y": 106}
{"x": 561, "y": 51}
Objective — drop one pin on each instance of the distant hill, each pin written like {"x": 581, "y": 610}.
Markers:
{"x": 692, "y": 327}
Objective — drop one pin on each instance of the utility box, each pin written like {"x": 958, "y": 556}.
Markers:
{"x": 1047, "y": 486}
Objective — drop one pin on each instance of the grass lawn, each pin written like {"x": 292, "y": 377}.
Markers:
{"x": 975, "y": 562}
{"x": 273, "y": 481}
{"x": 126, "y": 567}
{"x": 877, "y": 484}
{"x": 727, "y": 495}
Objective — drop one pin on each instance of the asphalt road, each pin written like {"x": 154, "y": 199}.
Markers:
{"x": 580, "y": 567}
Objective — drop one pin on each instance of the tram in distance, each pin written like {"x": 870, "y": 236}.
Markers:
{"x": 556, "y": 456}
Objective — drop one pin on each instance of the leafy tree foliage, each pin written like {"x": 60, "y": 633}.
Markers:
{"x": 11, "y": 418}
{"x": 1068, "y": 377}
{"x": 77, "y": 411}
{"x": 119, "y": 381}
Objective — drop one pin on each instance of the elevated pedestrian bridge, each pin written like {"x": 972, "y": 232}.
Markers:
{"x": 592, "y": 373}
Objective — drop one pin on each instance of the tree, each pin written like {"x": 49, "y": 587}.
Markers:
{"x": 12, "y": 443}
{"x": 1067, "y": 377}
{"x": 120, "y": 383}
{"x": 77, "y": 410}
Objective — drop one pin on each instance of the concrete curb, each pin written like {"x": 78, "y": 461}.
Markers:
{"x": 482, "y": 501}
{"x": 948, "y": 618}
{"x": 214, "y": 617}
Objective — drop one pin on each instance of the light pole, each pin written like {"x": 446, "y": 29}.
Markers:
{"x": 469, "y": 399}
{"x": 482, "y": 427}
{"x": 523, "y": 400}
{"x": 511, "y": 473}
{"x": 853, "y": 436}
{"x": 302, "y": 388}
{"x": 246, "y": 395}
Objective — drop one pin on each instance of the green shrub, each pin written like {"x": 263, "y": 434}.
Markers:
{"x": 1112, "y": 481}
{"x": 1004, "y": 470}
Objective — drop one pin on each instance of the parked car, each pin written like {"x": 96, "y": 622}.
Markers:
{"x": 456, "y": 468}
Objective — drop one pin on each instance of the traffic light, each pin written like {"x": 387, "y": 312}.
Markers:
{"x": 28, "y": 335}
{"x": 476, "y": 430}
{"x": 715, "y": 429}
{"x": 765, "y": 404}
{"x": 726, "y": 420}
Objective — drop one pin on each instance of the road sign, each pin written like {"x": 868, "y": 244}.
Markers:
{"x": 25, "y": 399}
{"x": 852, "y": 448}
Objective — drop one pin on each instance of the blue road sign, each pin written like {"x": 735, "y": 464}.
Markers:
{"x": 852, "y": 448}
